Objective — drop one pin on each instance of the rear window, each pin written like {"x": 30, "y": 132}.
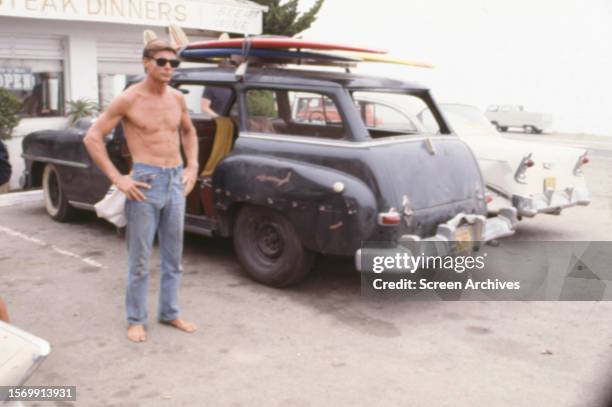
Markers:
{"x": 391, "y": 114}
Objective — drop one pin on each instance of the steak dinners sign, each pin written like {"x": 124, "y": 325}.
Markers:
{"x": 232, "y": 16}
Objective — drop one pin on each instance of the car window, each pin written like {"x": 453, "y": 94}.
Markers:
{"x": 295, "y": 113}
{"x": 193, "y": 97}
{"x": 313, "y": 108}
{"x": 427, "y": 118}
{"x": 217, "y": 98}
{"x": 386, "y": 113}
{"x": 382, "y": 116}
{"x": 468, "y": 120}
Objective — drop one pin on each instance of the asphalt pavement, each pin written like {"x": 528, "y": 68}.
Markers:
{"x": 318, "y": 344}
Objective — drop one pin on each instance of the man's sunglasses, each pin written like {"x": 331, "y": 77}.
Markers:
{"x": 174, "y": 63}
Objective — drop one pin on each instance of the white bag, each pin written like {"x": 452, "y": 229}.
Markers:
{"x": 112, "y": 207}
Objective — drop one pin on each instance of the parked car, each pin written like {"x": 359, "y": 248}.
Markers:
{"x": 20, "y": 355}
{"x": 533, "y": 177}
{"x": 289, "y": 187}
{"x": 506, "y": 116}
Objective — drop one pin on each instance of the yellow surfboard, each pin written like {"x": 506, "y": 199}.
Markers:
{"x": 385, "y": 59}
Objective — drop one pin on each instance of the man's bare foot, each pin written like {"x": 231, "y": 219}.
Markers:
{"x": 137, "y": 333}
{"x": 182, "y": 325}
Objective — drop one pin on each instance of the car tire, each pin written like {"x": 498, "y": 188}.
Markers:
{"x": 528, "y": 129}
{"x": 268, "y": 247}
{"x": 56, "y": 203}
{"x": 503, "y": 128}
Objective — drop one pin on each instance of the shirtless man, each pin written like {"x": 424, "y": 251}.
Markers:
{"x": 155, "y": 121}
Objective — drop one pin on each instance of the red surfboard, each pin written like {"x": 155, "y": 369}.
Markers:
{"x": 278, "y": 43}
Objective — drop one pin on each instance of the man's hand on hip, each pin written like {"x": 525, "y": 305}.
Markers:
{"x": 129, "y": 187}
{"x": 190, "y": 175}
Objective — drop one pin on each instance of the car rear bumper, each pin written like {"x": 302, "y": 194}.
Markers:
{"x": 461, "y": 233}
{"x": 551, "y": 201}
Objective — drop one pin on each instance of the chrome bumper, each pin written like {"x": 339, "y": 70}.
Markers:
{"x": 461, "y": 233}
{"x": 551, "y": 201}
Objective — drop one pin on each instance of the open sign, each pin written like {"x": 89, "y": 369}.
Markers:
{"x": 16, "y": 79}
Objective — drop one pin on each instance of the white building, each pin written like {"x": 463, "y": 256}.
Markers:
{"x": 54, "y": 51}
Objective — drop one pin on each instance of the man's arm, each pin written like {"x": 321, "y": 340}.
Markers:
{"x": 4, "y": 316}
{"x": 94, "y": 142}
{"x": 189, "y": 139}
{"x": 205, "y": 107}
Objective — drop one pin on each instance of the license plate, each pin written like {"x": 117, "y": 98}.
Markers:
{"x": 464, "y": 238}
{"x": 550, "y": 183}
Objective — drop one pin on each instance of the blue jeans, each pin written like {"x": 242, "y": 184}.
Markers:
{"x": 163, "y": 212}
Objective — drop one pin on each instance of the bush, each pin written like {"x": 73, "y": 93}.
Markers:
{"x": 80, "y": 109}
{"x": 10, "y": 105}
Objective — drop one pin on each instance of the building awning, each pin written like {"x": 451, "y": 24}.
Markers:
{"x": 233, "y": 16}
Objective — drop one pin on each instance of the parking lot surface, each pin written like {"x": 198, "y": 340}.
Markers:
{"x": 317, "y": 344}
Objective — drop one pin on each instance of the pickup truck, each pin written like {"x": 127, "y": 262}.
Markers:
{"x": 290, "y": 184}
{"x": 506, "y": 116}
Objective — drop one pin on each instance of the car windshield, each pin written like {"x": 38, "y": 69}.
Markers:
{"x": 392, "y": 114}
{"x": 468, "y": 120}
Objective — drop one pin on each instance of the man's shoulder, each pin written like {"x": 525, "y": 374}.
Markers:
{"x": 128, "y": 96}
{"x": 132, "y": 93}
{"x": 176, "y": 93}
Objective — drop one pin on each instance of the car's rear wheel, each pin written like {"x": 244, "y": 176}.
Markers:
{"x": 56, "y": 202}
{"x": 528, "y": 129}
{"x": 268, "y": 247}
{"x": 503, "y": 128}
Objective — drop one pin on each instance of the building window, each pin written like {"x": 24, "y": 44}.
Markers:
{"x": 110, "y": 86}
{"x": 42, "y": 93}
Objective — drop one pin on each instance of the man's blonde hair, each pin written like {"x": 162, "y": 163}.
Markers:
{"x": 157, "y": 45}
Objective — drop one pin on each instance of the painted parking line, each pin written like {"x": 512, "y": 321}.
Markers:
{"x": 42, "y": 243}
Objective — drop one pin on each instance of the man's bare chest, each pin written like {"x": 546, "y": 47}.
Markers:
{"x": 154, "y": 116}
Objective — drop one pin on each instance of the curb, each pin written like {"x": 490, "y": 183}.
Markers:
{"x": 15, "y": 198}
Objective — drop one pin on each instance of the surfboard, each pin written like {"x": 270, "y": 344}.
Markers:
{"x": 178, "y": 38}
{"x": 198, "y": 55}
{"x": 386, "y": 59}
{"x": 278, "y": 43}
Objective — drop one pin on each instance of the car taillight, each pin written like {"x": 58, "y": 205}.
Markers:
{"x": 489, "y": 198}
{"x": 519, "y": 175}
{"x": 391, "y": 218}
{"x": 582, "y": 160}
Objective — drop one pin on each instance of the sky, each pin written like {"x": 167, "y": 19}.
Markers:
{"x": 549, "y": 56}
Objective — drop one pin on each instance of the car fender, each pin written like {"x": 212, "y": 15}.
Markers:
{"x": 331, "y": 211}
{"x": 62, "y": 148}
